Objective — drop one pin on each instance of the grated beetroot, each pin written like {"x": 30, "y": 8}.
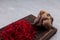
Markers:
{"x": 20, "y": 30}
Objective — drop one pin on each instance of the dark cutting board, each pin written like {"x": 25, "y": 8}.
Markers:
{"x": 42, "y": 34}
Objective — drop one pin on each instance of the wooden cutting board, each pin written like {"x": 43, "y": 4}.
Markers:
{"x": 42, "y": 33}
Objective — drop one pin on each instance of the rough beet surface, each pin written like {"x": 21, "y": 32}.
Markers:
{"x": 20, "y": 30}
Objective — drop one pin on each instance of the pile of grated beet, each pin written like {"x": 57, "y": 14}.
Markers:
{"x": 20, "y": 30}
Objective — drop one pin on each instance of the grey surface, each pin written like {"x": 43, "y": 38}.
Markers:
{"x": 12, "y": 10}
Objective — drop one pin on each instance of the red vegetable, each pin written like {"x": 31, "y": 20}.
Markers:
{"x": 20, "y": 30}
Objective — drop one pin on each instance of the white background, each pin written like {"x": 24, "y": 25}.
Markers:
{"x": 12, "y": 10}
